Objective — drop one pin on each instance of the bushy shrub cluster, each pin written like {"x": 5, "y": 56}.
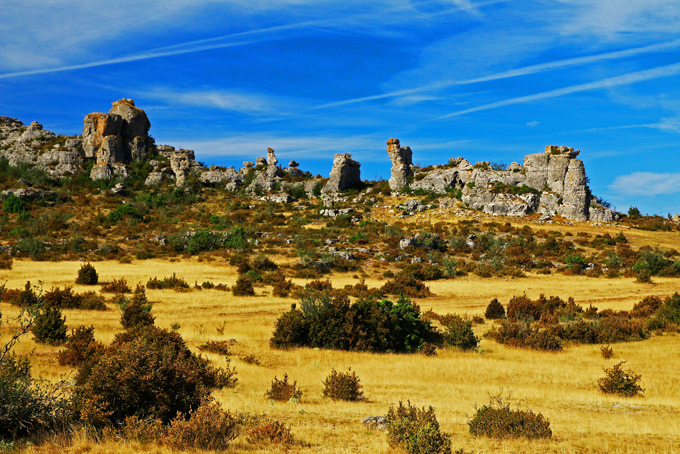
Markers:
{"x": 406, "y": 285}
{"x": 621, "y": 382}
{"x": 116, "y": 286}
{"x": 219, "y": 347}
{"x": 498, "y": 420}
{"x": 523, "y": 335}
{"x": 207, "y": 427}
{"x": 416, "y": 430}
{"x": 343, "y": 386}
{"x": 171, "y": 282}
{"x": 243, "y": 286}
{"x": 146, "y": 372}
{"x": 269, "y": 431}
{"x": 80, "y": 347}
{"x": 367, "y": 325}
{"x": 282, "y": 390}
{"x": 67, "y": 299}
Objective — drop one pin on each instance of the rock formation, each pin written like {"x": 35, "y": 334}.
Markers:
{"x": 402, "y": 162}
{"x": 55, "y": 154}
{"x": 116, "y": 138}
{"x": 345, "y": 174}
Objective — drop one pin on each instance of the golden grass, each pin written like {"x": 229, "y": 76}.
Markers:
{"x": 562, "y": 385}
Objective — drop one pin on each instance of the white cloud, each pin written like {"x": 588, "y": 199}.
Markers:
{"x": 531, "y": 124}
{"x": 625, "y": 79}
{"x": 646, "y": 184}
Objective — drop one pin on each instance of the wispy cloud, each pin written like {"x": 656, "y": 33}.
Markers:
{"x": 625, "y": 79}
{"x": 646, "y": 184}
{"x": 524, "y": 71}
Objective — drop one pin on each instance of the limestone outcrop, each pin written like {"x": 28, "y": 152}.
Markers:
{"x": 402, "y": 163}
{"x": 118, "y": 137}
{"x": 550, "y": 183}
{"x": 57, "y": 155}
{"x": 345, "y": 174}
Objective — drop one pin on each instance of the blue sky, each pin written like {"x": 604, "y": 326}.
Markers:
{"x": 488, "y": 80}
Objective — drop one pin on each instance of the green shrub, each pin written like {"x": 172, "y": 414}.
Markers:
{"x": 669, "y": 311}
{"x": 203, "y": 241}
{"x": 343, "y": 386}
{"x": 136, "y": 311}
{"x": 13, "y": 204}
{"x": 620, "y": 382}
{"x": 146, "y": 372}
{"x": 498, "y": 420}
{"x": 281, "y": 390}
{"x": 458, "y": 333}
{"x": 87, "y": 275}
{"x": 50, "y": 326}
{"x": 30, "y": 246}
{"x": 66, "y": 299}
{"x": 416, "y": 430}
{"x": 406, "y": 285}
{"x": 495, "y": 310}
{"x": 207, "y": 427}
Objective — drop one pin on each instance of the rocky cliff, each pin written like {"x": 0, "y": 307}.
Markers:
{"x": 551, "y": 183}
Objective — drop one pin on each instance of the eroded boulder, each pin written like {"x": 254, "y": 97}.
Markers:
{"x": 346, "y": 173}
{"x": 402, "y": 162}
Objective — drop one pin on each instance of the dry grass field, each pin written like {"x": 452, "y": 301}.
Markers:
{"x": 562, "y": 386}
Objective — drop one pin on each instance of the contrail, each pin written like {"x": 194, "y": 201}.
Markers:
{"x": 625, "y": 79}
{"x": 527, "y": 70}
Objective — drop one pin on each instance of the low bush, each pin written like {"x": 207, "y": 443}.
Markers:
{"x": 219, "y": 347}
{"x": 269, "y": 431}
{"x": 406, "y": 285}
{"x": 343, "y": 386}
{"x": 416, "y": 430}
{"x": 282, "y": 390}
{"x": 50, "y": 326}
{"x": 620, "y": 382}
{"x": 207, "y": 427}
{"x": 172, "y": 282}
{"x": 116, "y": 286}
{"x": 522, "y": 335}
{"x": 67, "y": 299}
{"x": 87, "y": 275}
{"x": 495, "y": 310}
{"x": 498, "y": 420}
{"x": 607, "y": 351}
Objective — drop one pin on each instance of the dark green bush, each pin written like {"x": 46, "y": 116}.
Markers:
{"x": 498, "y": 420}
{"x": 67, "y": 299}
{"x": 146, "y": 372}
{"x": 87, "y": 275}
{"x": 136, "y": 311}
{"x": 343, "y": 386}
{"x": 281, "y": 390}
{"x": 620, "y": 382}
{"x": 30, "y": 247}
{"x": 416, "y": 430}
{"x": 203, "y": 241}
{"x": 50, "y": 326}
{"x": 495, "y": 310}
{"x": 13, "y": 204}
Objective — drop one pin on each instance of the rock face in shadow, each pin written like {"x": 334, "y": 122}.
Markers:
{"x": 345, "y": 174}
{"x": 402, "y": 162}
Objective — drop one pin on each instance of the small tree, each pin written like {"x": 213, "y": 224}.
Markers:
{"x": 87, "y": 275}
{"x": 621, "y": 382}
{"x": 137, "y": 310}
{"x": 494, "y": 310}
{"x": 243, "y": 287}
{"x": 459, "y": 333}
{"x": 283, "y": 391}
{"x": 50, "y": 326}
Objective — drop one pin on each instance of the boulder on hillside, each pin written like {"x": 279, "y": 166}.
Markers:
{"x": 345, "y": 174}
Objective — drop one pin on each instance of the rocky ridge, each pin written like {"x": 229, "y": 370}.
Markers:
{"x": 550, "y": 183}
